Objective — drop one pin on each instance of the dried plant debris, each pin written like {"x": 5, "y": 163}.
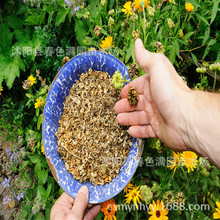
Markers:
{"x": 90, "y": 141}
{"x": 132, "y": 96}
{"x": 133, "y": 71}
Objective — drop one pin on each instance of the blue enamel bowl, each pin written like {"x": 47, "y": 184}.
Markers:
{"x": 66, "y": 77}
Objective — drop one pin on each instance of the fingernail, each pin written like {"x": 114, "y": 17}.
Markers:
{"x": 84, "y": 190}
{"x": 139, "y": 42}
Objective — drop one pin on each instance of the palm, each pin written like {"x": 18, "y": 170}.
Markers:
{"x": 155, "y": 114}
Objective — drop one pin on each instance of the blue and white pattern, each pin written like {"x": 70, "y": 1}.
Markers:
{"x": 60, "y": 87}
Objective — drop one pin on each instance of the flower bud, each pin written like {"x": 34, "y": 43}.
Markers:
{"x": 86, "y": 15}
{"x": 170, "y": 23}
{"x": 146, "y": 193}
{"x": 134, "y": 17}
{"x": 181, "y": 33}
{"x": 97, "y": 30}
{"x": 111, "y": 21}
{"x": 117, "y": 80}
{"x": 111, "y": 12}
{"x": 160, "y": 48}
{"x": 215, "y": 67}
{"x": 201, "y": 70}
{"x": 136, "y": 34}
{"x": 151, "y": 11}
{"x": 103, "y": 2}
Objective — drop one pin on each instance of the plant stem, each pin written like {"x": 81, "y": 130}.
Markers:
{"x": 213, "y": 89}
{"x": 136, "y": 214}
{"x": 144, "y": 24}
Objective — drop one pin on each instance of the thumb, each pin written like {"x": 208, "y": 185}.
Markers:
{"x": 143, "y": 56}
{"x": 81, "y": 202}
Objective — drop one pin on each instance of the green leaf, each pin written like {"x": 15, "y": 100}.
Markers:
{"x": 194, "y": 58}
{"x": 188, "y": 35}
{"x": 177, "y": 48}
{"x": 37, "y": 111}
{"x": 61, "y": 3}
{"x": 5, "y": 37}
{"x": 206, "y": 35}
{"x": 202, "y": 18}
{"x": 24, "y": 164}
{"x": 39, "y": 121}
{"x": 11, "y": 72}
{"x": 14, "y": 22}
{"x": 48, "y": 190}
{"x": 172, "y": 54}
{"x": 80, "y": 31}
{"x": 214, "y": 10}
{"x": 95, "y": 8}
{"x": 61, "y": 16}
{"x": 42, "y": 176}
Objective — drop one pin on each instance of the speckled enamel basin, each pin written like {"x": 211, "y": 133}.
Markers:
{"x": 54, "y": 108}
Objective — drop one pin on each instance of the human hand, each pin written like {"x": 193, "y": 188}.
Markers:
{"x": 163, "y": 101}
{"x": 69, "y": 209}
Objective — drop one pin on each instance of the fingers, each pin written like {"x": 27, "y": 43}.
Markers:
{"x": 123, "y": 105}
{"x": 80, "y": 203}
{"x": 92, "y": 213}
{"x": 65, "y": 200}
{"x": 138, "y": 83}
{"x": 133, "y": 118}
{"x": 142, "y": 131}
{"x": 143, "y": 56}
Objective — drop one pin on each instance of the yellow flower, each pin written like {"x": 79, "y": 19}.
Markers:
{"x": 38, "y": 103}
{"x": 32, "y": 80}
{"x": 158, "y": 211}
{"x": 108, "y": 42}
{"x": 1, "y": 90}
{"x": 181, "y": 33}
{"x": 129, "y": 186}
{"x": 42, "y": 149}
{"x": 188, "y": 159}
{"x": 138, "y": 4}
{"x": 109, "y": 208}
{"x": 127, "y": 8}
{"x": 174, "y": 162}
{"x": 216, "y": 215}
{"x": 133, "y": 194}
{"x": 189, "y": 7}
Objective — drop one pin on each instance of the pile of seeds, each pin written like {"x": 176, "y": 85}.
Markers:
{"x": 90, "y": 141}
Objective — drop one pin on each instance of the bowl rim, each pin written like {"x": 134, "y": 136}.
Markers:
{"x": 138, "y": 141}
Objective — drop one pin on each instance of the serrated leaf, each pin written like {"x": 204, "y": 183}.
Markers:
{"x": 5, "y": 37}
{"x": 177, "y": 48}
{"x": 214, "y": 10}
{"x": 11, "y": 72}
{"x": 61, "y": 16}
{"x": 14, "y": 22}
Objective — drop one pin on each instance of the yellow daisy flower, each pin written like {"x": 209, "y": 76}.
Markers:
{"x": 189, "y": 7}
{"x": 42, "y": 149}
{"x": 216, "y": 215}
{"x": 1, "y": 90}
{"x": 129, "y": 186}
{"x": 175, "y": 162}
{"x": 108, "y": 42}
{"x": 188, "y": 159}
{"x": 127, "y": 8}
{"x": 32, "y": 80}
{"x": 138, "y": 4}
{"x": 133, "y": 194}
{"x": 38, "y": 103}
{"x": 158, "y": 211}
